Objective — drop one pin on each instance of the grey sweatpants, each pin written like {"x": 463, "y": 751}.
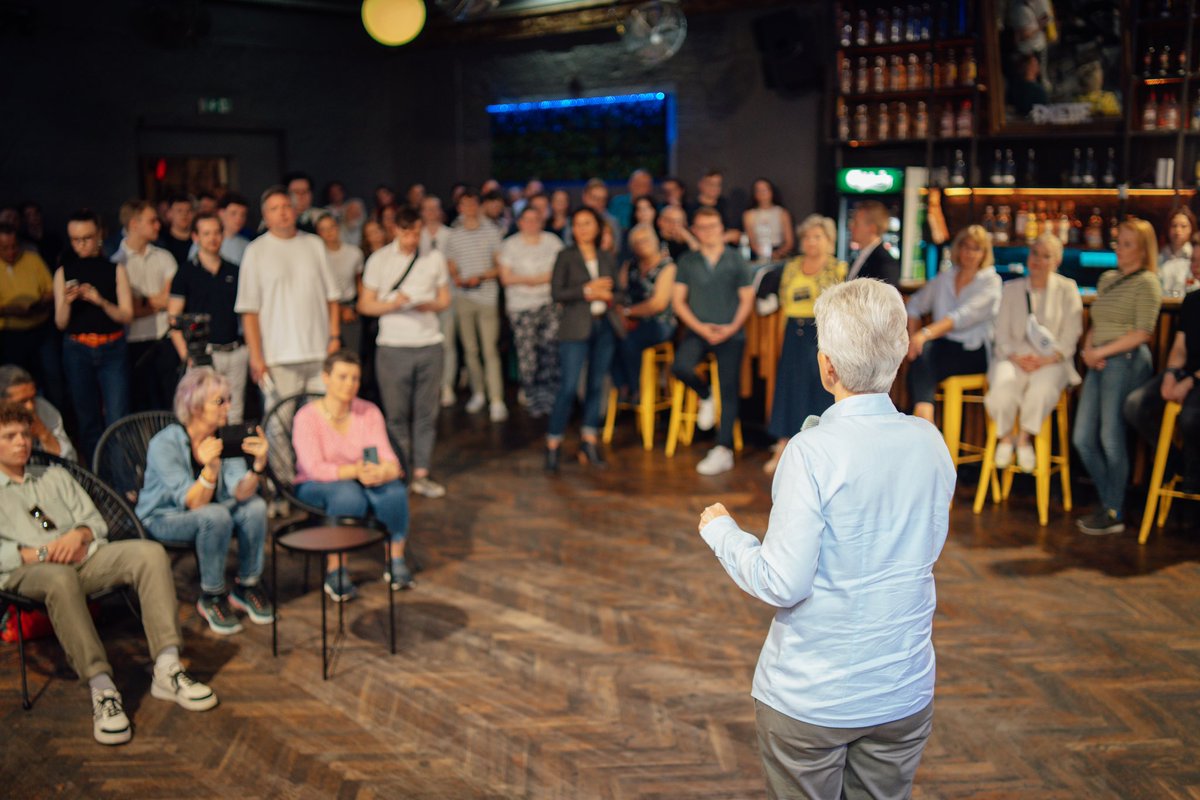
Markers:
{"x": 410, "y": 380}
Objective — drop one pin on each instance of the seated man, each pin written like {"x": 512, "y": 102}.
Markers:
{"x": 49, "y": 433}
{"x": 53, "y": 550}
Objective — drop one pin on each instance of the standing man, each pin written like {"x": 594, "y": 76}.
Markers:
{"x": 208, "y": 284}
{"x": 177, "y": 238}
{"x": 27, "y": 336}
{"x": 843, "y": 691}
{"x": 289, "y": 303}
{"x": 709, "y": 194}
{"x": 471, "y": 256}
{"x": 406, "y": 291}
{"x": 641, "y": 184}
{"x": 300, "y": 191}
{"x": 232, "y": 210}
{"x": 867, "y": 226}
{"x": 150, "y": 269}
{"x": 713, "y": 297}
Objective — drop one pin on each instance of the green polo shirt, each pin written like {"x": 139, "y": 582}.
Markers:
{"x": 713, "y": 288}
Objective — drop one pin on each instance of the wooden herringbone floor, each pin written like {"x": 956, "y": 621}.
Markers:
{"x": 572, "y": 637}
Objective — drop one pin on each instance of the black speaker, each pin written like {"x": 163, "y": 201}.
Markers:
{"x": 789, "y": 43}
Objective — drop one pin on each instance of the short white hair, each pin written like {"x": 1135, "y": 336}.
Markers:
{"x": 862, "y": 328}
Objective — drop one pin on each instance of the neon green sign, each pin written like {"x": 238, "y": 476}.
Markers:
{"x": 873, "y": 180}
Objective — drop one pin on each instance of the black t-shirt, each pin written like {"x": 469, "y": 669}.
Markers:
{"x": 99, "y": 272}
{"x": 1189, "y": 326}
{"x": 215, "y": 295}
{"x": 179, "y": 248}
{"x": 728, "y": 218}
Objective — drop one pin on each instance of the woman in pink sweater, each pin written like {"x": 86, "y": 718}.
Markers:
{"x": 346, "y": 466}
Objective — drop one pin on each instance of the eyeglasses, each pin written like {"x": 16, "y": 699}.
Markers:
{"x": 40, "y": 518}
{"x": 220, "y": 401}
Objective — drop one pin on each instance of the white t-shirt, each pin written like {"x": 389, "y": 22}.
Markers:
{"x": 148, "y": 272}
{"x": 407, "y": 327}
{"x": 347, "y": 264}
{"x": 528, "y": 260}
{"x": 289, "y": 284}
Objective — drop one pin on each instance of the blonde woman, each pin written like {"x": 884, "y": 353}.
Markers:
{"x": 1037, "y": 330}
{"x": 798, "y": 389}
{"x": 1117, "y": 355}
{"x": 963, "y": 302}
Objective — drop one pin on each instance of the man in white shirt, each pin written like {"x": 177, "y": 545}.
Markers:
{"x": 289, "y": 303}
{"x": 150, "y": 269}
{"x": 406, "y": 290}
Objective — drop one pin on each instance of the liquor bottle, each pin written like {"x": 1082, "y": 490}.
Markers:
{"x": 1019, "y": 223}
{"x": 1010, "y": 168}
{"x": 1150, "y": 113}
{"x": 926, "y": 22}
{"x": 997, "y": 168}
{"x": 912, "y": 24}
{"x": 1181, "y": 64}
{"x": 969, "y": 70}
{"x": 1164, "y": 8}
{"x": 943, "y": 21}
{"x": 989, "y": 223}
{"x": 1089, "y": 168}
{"x": 1093, "y": 237}
{"x": 1114, "y": 225}
{"x": 929, "y": 78}
{"x": 896, "y": 31}
{"x": 1032, "y": 227}
{"x": 862, "y": 123}
{"x": 1076, "y": 234}
{"x": 1003, "y": 224}
{"x": 914, "y": 72}
{"x": 1168, "y": 114}
{"x": 1064, "y": 224}
{"x": 881, "y": 26}
{"x": 958, "y": 176}
{"x": 946, "y": 123}
{"x": 883, "y": 123}
{"x": 1043, "y": 216}
{"x": 879, "y": 75}
{"x": 949, "y": 71}
{"x": 897, "y": 76}
{"x": 1031, "y": 172}
{"x": 903, "y": 129}
{"x": 845, "y": 77}
{"x": 1077, "y": 168}
{"x": 921, "y": 121}
{"x": 1164, "y": 61}
{"x": 1149, "y": 59}
{"x": 1196, "y": 113}
{"x": 1110, "y": 169}
{"x": 847, "y": 29}
{"x": 862, "y": 33}
{"x": 965, "y": 124}
{"x": 843, "y": 121}
{"x": 862, "y": 76}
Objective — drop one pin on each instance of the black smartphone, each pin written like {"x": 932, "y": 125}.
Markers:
{"x": 371, "y": 455}
{"x": 232, "y": 436}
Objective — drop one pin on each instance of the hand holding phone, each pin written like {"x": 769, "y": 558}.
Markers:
{"x": 371, "y": 455}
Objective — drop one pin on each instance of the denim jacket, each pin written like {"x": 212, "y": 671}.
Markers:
{"x": 169, "y": 474}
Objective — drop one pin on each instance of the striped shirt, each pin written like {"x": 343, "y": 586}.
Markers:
{"x": 1123, "y": 304}
{"x": 473, "y": 253}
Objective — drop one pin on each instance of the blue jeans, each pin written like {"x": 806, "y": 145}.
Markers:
{"x": 388, "y": 503}
{"x": 99, "y": 381}
{"x": 596, "y": 353}
{"x": 627, "y": 364}
{"x": 1099, "y": 435}
{"x": 211, "y": 528}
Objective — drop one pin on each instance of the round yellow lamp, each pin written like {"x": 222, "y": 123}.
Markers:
{"x": 393, "y": 22}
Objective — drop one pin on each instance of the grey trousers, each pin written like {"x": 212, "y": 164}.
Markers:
{"x": 234, "y": 365}
{"x": 64, "y": 589}
{"x": 816, "y": 763}
{"x": 410, "y": 380}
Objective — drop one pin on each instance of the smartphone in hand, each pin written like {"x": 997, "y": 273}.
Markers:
{"x": 232, "y": 436}
{"x": 371, "y": 455}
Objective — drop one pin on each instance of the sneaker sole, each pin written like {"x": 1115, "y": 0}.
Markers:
{"x": 201, "y": 704}
{"x": 1115, "y": 528}
{"x": 217, "y": 627}
{"x": 335, "y": 597}
{"x": 113, "y": 737}
{"x": 251, "y": 614}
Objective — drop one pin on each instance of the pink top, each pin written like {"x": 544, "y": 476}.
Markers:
{"x": 320, "y": 450}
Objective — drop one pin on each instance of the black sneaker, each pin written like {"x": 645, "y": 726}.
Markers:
{"x": 253, "y": 601}
{"x": 1101, "y": 522}
{"x": 215, "y": 610}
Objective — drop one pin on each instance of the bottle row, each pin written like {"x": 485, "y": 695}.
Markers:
{"x": 1160, "y": 62}
{"x": 1085, "y": 172}
{"x": 1165, "y": 114}
{"x": 1006, "y": 228}
{"x": 909, "y": 73}
{"x": 911, "y": 23}
{"x": 894, "y": 121}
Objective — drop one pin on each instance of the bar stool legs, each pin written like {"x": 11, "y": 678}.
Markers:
{"x": 655, "y": 386}
{"x": 685, "y": 403}
{"x": 1160, "y": 497}
{"x": 1047, "y": 463}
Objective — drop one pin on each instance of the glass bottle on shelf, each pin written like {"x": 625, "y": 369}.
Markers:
{"x": 912, "y": 24}
{"x": 989, "y": 223}
{"x": 969, "y": 70}
{"x": 1181, "y": 64}
{"x": 1164, "y": 61}
{"x": 914, "y": 72}
{"x": 1064, "y": 224}
{"x": 1075, "y": 235}
{"x": 1150, "y": 113}
{"x": 958, "y": 175}
{"x": 902, "y": 122}
{"x": 1168, "y": 113}
{"x": 843, "y": 121}
{"x": 1089, "y": 168}
{"x": 883, "y": 123}
{"x": 965, "y": 123}
{"x": 1113, "y": 225}
{"x": 997, "y": 168}
{"x": 862, "y": 123}
{"x": 1003, "y": 224}
{"x": 1031, "y": 172}
{"x": 846, "y": 29}
{"x": 845, "y": 77}
{"x": 862, "y": 76}
{"x": 1032, "y": 227}
{"x": 879, "y": 75}
{"x": 929, "y": 78}
{"x": 881, "y": 26}
{"x": 896, "y": 31}
{"x": 1010, "y": 168}
{"x": 946, "y": 123}
{"x": 1149, "y": 59}
{"x": 1019, "y": 223}
{"x": 1110, "y": 169}
{"x": 1076, "y": 168}
{"x": 926, "y": 22}
{"x": 862, "y": 33}
{"x": 897, "y": 76}
{"x": 921, "y": 121}
{"x": 1195, "y": 124}
{"x": 1093, "y": 237}
{"x": 949, "y": 71}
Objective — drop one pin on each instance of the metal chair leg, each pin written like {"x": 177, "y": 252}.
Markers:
{"x": 25, "y": 703}
{"x": 274, "y": 600}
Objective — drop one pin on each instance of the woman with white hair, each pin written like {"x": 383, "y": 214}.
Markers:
{"x": 963, "y": 301}
{"x": 1037, "y": 330}
{"x": 198, "y": 493}
{"x": 861, "y": 504}
{"x": 798, "y": 390}
{"x": 648, "y": 279}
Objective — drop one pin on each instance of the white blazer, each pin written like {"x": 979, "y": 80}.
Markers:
{"x": 1061, "y": 312}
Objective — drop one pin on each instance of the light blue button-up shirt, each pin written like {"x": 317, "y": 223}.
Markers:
{"x": 861, "y": 506}
{"x": 973, "y": 311}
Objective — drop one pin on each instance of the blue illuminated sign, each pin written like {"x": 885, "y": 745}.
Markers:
{"x": 578, "y": 102}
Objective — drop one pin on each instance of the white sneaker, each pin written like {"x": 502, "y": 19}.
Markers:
{"x": 426, "y": 487}
{"x": 1026, "y": 458}
{"x": 448, "y": 397}
{"x": 498, "y": 411}
{"x": 718, "y": 460}
{"x": 706, "y": 415}
{"x": 109, "y": 723}
{"x": 1004, "y": 455}
{"x": 176, "y": 685}
{"x": 476, "y": 403}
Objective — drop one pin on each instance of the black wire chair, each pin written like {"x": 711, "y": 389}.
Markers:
{"x": 122, "y": 524}
{"x": 120, "y": 457}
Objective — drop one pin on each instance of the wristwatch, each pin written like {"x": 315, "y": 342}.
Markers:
{"x": 1180, "y": 373}
{"x": 43, "y": 553}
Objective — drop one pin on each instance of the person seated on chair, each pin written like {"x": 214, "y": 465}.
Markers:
{"x": 53, "y": 549}
{"x": 963, "y": 301}
{"x": 198, "y": 493}
{"x": 346, "y": 466}
{"x": 648, "y": 281}
{"x": 1144, "y": 405}
{"x": 49, "y": 433}
{"x": 1037, "y": 330}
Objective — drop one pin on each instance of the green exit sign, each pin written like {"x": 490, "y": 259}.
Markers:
{"x": 870, "y": 180}
{"x": 215, "y": 105}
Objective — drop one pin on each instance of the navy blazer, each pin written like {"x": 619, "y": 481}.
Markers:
{"x": 881, "y": 266}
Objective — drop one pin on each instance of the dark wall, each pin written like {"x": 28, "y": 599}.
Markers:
{"x": 310, "y": 91}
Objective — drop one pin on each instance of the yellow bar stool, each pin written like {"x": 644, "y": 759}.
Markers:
{"x": 684, "y": 404}
{"x": 1160, "y": 495}
{"x": 1048, "y": 462}
{"x": 654, "y": 393}
{"x": 954, "y": 392}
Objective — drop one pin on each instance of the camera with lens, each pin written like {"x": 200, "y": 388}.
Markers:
{"x": 196, "y": 333}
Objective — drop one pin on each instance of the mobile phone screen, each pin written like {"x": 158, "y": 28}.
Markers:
{"x": 371, "y": 455}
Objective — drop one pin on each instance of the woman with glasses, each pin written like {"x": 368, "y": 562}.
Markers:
{"x": 198, "y": 492}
